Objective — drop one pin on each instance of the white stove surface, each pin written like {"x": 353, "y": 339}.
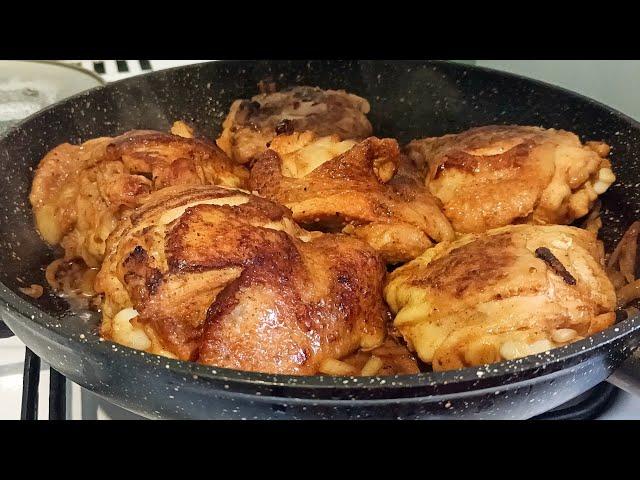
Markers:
{"x": 82, "y": 404}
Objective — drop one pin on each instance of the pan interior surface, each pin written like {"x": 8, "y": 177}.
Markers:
{"x": 408, "y": 100}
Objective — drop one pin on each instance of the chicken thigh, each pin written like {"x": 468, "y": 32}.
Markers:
{"x": 225, "y": 278}
{"x": 502, "y": 294}
{"x": 497, "y": 175}
{"x": 252, "y": 124}
{"x": 366, "y": 189}
{"x": 79, "y": 192}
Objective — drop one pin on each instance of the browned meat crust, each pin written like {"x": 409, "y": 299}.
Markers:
{"x": 493, "y": 176}
{"x": 81, "y": 191}
{"x": 252, "y": 124}
{"x": 225, "y": 278}
{"x": 367, "y": 189}
{"x": 502, "y": 294}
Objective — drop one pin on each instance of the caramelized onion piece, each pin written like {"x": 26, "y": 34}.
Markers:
{"x": 51, "y": 273}
{"x": 616, "y": 277}
{"x": 71, "y": 277}
{"x": 628, "y": 293}
{"x": 631, "y": 311}
{"x": 628, "y": 254}
{"x": 628, "y": 241}
{"x": 593, "y": 222}
{"x": 34, "y": 291}
{"x": 621, "y": 266}
{"x": 337, "y": 368}
{"x": 372, "y": 367}
{"x": 593, "y": 214}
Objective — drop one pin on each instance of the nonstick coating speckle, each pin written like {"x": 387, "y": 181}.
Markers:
{"x": 408, "y": 100}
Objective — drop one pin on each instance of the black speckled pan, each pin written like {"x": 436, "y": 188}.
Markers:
{"x": 409, "y": 100}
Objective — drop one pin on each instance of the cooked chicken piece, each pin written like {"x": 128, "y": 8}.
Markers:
{"x": 252, "y": 124}
{"x": 225, "y": 278}
{"x": 365, "y": 189}
{"x": 493, "y": 176}
{"x": 81, "y": 191}
{"x": 503, "y": 294}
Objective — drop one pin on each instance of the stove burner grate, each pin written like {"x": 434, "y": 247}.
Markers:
{"x": 588, "y": 406}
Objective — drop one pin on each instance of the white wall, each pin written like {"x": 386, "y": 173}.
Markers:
{"x": 613, "y": 82}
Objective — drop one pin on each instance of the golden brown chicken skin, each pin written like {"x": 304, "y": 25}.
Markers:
{"x": 225, "y": 278}
{"x": 79, "y": 192}
{"x": 493, "y": 176}
{"x": 366, "y": 189}
{"x": 252, "y": 124}
{"x": 507, "y": 293}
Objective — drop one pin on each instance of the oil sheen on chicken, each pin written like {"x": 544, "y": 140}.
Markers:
{"x": 222, "y": 277}
{"x": 252, "y": 124}
{"x": 496, "y": 175}
{"x": 366, "y": 189}
{"x": 507, "y": 293}
{"x": 81, "y": 191}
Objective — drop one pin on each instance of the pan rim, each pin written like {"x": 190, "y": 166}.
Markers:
{"x": 397, "y": 386}
{"x": 526, "y": 367}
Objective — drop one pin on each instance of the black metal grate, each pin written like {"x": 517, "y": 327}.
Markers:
{"x": 30, "y": 384}
{"x": 122, "y": 66}
{"x": 4, "y": 330}
{"x": 57, "y": 395}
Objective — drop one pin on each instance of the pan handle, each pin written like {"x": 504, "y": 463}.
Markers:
{"x": 627, "y": 376}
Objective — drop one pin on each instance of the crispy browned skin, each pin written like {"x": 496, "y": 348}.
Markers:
{"x": 252, "y": 124}
{"x": 365, "y": 189}
{"x": 225, "y": 278}
{"x": 493, "y": 176}
{"x": 79, "y": 192}
{"x": 503, "y": 294}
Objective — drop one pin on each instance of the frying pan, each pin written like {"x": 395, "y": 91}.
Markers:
{"x": 408, "y": 100}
